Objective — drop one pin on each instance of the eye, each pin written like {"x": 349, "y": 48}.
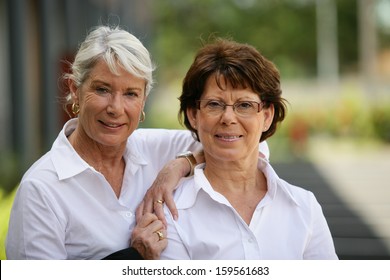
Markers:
{"x": 102, "y": 90}
{"x": 131, "y": 94}
{"x": 245, "y": 105}
{"x": 214, "y": 104}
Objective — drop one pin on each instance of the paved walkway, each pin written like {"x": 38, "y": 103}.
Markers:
{"x": 353, "y": 186}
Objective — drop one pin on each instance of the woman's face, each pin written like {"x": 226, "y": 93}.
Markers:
{"x": 110, "y": 105}
{"x": 230, "y": 135}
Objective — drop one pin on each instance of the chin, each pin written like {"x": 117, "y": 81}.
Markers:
{"x": 113, "y": 142}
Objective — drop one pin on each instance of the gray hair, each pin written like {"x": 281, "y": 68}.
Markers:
{"x": 116, "y": 47}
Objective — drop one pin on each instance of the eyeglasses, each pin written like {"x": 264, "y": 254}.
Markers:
{"x": 241, "y": 108}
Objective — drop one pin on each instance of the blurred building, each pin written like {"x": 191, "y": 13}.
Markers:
{"x": 35, "y": 36}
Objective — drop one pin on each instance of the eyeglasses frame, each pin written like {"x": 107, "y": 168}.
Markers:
{"x": 259, "y": 104}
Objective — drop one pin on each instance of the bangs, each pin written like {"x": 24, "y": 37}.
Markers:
{"x": 233, "y": 76}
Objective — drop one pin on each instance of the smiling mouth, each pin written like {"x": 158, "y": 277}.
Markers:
{"x": 228, "y": 137}
{"x": 111, "y": 125}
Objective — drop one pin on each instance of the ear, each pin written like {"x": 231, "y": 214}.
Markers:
{"x": 269, "y": 113}
{"x": 192, "y": 114}
{"x": 73, "y": 90}
{"x": 144, "y": 101}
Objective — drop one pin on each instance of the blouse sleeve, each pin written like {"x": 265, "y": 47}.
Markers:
{"x": 35, "y": 231}
{"x": 320, "y": 245}
{"x": 166, "y": 143}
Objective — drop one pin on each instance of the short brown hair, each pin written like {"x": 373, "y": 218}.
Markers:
{"x": 242, "y": 66}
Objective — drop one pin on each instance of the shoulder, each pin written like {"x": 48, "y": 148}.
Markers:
{"x": 42, "y": 169}
{"x": 161, "y": 144}
{"x": 38, "y": 188}
{"x": 42, "y": 179}
{"x": 185, "y": 193}
{"x": 160, "y": 136}
{"x": 302, "y": 197}
{"x": 282, "y": 190}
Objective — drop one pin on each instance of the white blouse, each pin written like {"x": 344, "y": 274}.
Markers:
{"x": 287, "y": 224}
{"x": 65, "y": 209}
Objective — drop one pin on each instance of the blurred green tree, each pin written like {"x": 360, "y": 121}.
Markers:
{"x": 283, "y": 30}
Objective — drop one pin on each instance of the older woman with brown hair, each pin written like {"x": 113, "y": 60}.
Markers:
{"x": 235, "y": 206}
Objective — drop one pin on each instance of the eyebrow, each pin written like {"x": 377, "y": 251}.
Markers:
{"x": 97, "y": 81}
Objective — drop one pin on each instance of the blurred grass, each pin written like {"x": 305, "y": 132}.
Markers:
{"x": 6, "y": 200}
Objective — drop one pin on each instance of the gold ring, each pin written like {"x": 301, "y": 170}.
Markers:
{"x": 160, "y": 235}
{"x": 160, "y": 201}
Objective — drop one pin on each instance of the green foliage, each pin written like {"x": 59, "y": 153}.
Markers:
{"x": 380, "y": 116}
{"x": 9, "y": 171}
{"x": 282, "y": 30}
{"x": 347, "y": 34}
{"x": 6, "y": 201}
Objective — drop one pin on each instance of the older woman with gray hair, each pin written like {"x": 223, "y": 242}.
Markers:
{"x": 79, "y": 200}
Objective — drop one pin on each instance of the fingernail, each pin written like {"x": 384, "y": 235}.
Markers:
{"x": 175, "y": 217}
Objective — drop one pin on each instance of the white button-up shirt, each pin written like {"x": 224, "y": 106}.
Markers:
{"x": 65, "y": 209}
{"x": 287, "y": 224}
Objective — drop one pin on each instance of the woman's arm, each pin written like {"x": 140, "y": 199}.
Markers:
{"x": 35, "y": 231}
{"x": 320, "y": 245}
{"x": 164, "y": 185}
{"x": 170, "y": 143}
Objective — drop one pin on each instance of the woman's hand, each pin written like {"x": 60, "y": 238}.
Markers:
{"x": 149, "y": 237}
{"x": 162, "y": 189}
{"x": 163, "y": 186}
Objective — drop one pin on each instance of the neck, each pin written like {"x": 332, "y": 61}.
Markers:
{"x": 234, "y": 179}
{"x": 238, "y": 172}
{"x": 92, "y": 152}
{"x": 106, "y": 160}
{"x": 242, "y": 184}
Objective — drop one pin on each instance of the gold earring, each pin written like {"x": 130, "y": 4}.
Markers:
{"x": 142, "y": 118}
{"x": 75, "y": 109}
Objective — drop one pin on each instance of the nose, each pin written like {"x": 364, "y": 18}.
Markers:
{"x": 115, "y": 105}
{"x": 228, "y": 115}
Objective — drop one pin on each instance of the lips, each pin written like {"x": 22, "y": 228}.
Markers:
{"x": 111, "y": 125}
{"x": 228, "y": 137}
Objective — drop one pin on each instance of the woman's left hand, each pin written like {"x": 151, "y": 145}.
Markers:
{"x": 149, "y": 237}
